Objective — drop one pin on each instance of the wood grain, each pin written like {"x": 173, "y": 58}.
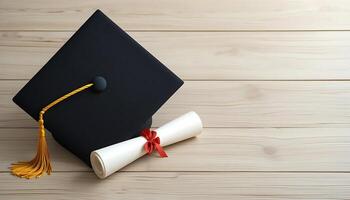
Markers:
{"x": 270, "y": 79}
{"x": 216, "y": 149}
{"x": 233, "y": 104}
{"x": 180, "y": 15}
{"x": 175, "y": 185}
{"x": 205, "y": 56}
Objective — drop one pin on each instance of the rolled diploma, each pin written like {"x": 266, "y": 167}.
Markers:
{"x": 107, "y": 160}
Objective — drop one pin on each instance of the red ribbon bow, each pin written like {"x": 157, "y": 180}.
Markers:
{"x": 153, "y": 142}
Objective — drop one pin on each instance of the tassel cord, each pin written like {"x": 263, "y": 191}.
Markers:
{"x": 41, "y": 162}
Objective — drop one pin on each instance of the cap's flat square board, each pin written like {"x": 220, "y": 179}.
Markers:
{"x": 137, "y": 86}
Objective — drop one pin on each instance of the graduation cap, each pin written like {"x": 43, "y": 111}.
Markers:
{"x": 100, "y": 88}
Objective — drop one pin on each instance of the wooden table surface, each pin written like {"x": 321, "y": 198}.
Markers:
{"x": 270, "y": 79}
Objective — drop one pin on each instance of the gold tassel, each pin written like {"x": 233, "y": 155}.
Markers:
{"x": 41, "y": 163}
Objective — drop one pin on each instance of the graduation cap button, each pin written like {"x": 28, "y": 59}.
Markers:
{"x": 100, "y": 84}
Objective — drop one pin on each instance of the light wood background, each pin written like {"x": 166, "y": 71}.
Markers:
{"x": 270, "y": 79}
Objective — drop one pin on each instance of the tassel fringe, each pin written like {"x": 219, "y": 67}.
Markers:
{"x": 40, "y": 164}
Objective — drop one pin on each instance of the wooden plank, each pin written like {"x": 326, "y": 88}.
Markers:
{"x": 205, "y": 56}
{"x": 233, "y": 104}
{"x": 216, "y": 149}
{"x": 175, "y": 185}
{"x": 180, "y": 14}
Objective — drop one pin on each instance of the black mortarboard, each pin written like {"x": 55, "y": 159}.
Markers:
{"x": 123, "y": 86}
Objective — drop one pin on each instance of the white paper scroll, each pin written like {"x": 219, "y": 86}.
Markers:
{"x": 110, "y": 159}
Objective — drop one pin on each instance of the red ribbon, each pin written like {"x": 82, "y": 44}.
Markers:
{"x": 153, "y": 142}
